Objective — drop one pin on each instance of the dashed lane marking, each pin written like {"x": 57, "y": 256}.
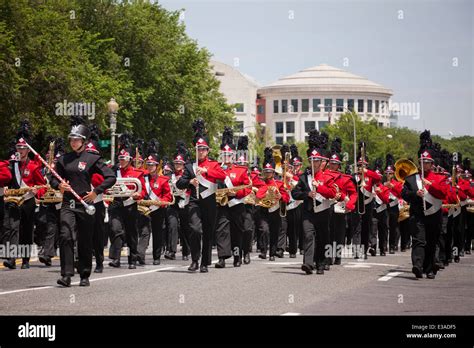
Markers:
{"x": 389, "y": 276}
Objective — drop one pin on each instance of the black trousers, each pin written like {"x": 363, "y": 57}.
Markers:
{"x": 144, "y": 234}
{"x": 158, "y": 231}
{"x": 469, "y": 230}
{"x": 337, "y": 229}
{"x": 270, "y": 224}
{"x": 99, "y": 233}
{"x": 51, "y": 237}
{"x": 382, "y": 228}
{"x": 425, "y": 236}
{"x": 202, "y": 222}
{"x": 18, "y": 224}
{"x": 295, "y": 227}
{"x": 458, "y": 234}
{"x": 406, "y": 226}
{"x": 178, "y": 227}
{"x": 75, "y": 225}
{"x": 230, "y": 230}
{"x": 394, "y": 230}
{"x": 282, "y": 235}
{"x": 258, "y": 232}
{"x": 366, "y": 231}
{"x": 123, "y": 228}
{"x": 249, "y": 227}
{"x": 443, "y": 243}
{"x": 316, "y": 231}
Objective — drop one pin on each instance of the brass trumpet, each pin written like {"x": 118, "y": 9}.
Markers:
{"x": 222, "y": 194}
{"x": 270, "y": 198}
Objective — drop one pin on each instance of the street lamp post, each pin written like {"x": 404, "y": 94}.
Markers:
{"x": 112, "y": 108}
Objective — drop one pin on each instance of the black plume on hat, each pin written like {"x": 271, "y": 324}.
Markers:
{"x": 466, "y": 163}
{"x": 95, "y": 132}
{"x": 389, "y": 160}
{"x": 59, "y": 146}
{"x": 459, "y": 157}
{"x": 125, "y": 142}
{"x": 77, "y": 120}
{"x": 313, "y": 141}
{"x": 444, "y": 159}
{"x": 200, "y": 131}
{"x": 359, "y": 153}
{"x": 268, "y": 157}
{"x": 152, "y": 147}
{"x": 228, "y": 138}
{"x": 256, "y": 163}
{"x": 284, "y": 150}
{"x": 243, "y": 143}
{"x": 336, "y": 146}
{"x": 378, "y": 164}
{"x": 294, "y": 151}
{"x": 182, "y": 150}
{"x": 24, "y": 131}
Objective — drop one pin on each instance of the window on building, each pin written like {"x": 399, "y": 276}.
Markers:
{"x": 382, "y": 107}
{"x": 275, "y": 106}
{"x": 381, "y": 124}
{"x": 239, "y": 107}
{"x": 284, "y": 106}
{"x": 294, "y": 105}
{"x": 376, "y": 106}
{"x": 322, "y": 124}
{"x": 279, "y": 127}
{"x": 279, "y": 140}
{"x": 239, "y": 127}
{"x": 308, "y": 125}
{"x": 360, "y": 105}
{"x": 350, "y": 104}
{"x": 290, "y": 127}
{"x": 290, "y": 140}
{"x": 316, "y": 102}
{"x": 339, "y": 105}
{"x": 327, "y": 105}
{"x": 369, "y": 106}
{"x": 260, "y": 109}
{"x": 304, "y": 105}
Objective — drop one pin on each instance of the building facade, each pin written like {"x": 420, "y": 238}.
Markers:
{"x": 316, "y": 96}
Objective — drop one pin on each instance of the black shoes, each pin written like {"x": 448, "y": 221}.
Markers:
{"x": 337, "y": 261}
{"x": 25, "y": 265}
{"x": 156, "y": 262}
{"x": 237, "y": 261}
{"x": 84, "y": 282}
{"x": 170, "y": 256}
{"x": 382, "y": 253}
{"x": 272, "y": 258}
{"x": 457, "y": 259}
{"x": 372, "y": 251}
{"x": 64, "y": 281}
{"x": 203, "y": 269}
{"x": 292, "y": 256}
{"x": 132, "y": 265}
{"x": 430, "y": 275}
{"x": 99, "y": 268}
{"x": 392, "y": 251}
{"x": 326, "y": 267}
{"x": 365, "y": 257}
{"x": 307, "y": 269}
{"x": 320, "y": 270}
{"x": 279, "y": 254}
{"x": 115, "y": 263}
{"x": 45, "y": 259}
{"x": 417, "y": 272}
{"x": 220, "y": 263}
{"x": 246, "y": 259}
{"x": 262, "y": 256}
{"x": 185, "y": 258}
{"x": 194, "y": 266}
{"x": 11, "y": 264}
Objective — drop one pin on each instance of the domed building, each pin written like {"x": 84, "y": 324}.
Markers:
{"x": 293, "y": 104}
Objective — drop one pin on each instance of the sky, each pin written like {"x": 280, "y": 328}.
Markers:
{"x": 421, "y": 49}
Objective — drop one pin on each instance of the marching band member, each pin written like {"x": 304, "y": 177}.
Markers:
{"x": 459, "y": 211}
{"x": 366, "y": 202}
{"x": 5, "y": 178}
{"x": 467, "y": 186}
{"x": 395, "y": 195}
{"x": 76, "y": 168}
{"x": 201, "y": 178}
{"x": 382, "y": 199}
{"x": 425, "y": 194}
{"x": 123, "y": 212}
{"x": 230, "y": 217}
{"x": 19, "y": 217}
{"x": 178, "y": 222}
{"x": 257, "y": 183}
{"x": 464, "y": 187}
{"x": 157, "y": 189}
{"x": 344, "y": 202}
{"x": 99, "y": 225}
{"x": 270, "y": 220}
{"x": 294, "y": 208}
{"x": 249, "y": 225}
{"x": 315, "y": 187}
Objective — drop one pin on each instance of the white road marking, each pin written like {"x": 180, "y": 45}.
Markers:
{"x": 389, "y": 276}
{"x": 291, "y": 313}
{"x": 282, "y": 263}
{"x": 372, "y": 264}
{"x": 357, "y": 266}
{"x": 91, "y": 280}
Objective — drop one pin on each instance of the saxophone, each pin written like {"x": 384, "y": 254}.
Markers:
{"x": 222, "y": 194}
{"x": 17, "y": 195}
{"x": 270, "y": 199}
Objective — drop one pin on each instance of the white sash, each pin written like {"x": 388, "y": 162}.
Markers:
{"x": 151, "y": 194}
{"x": 456, "y": 211}
{"x": 211, "y": 187}
{"x": 232, "y": 201}
{"x": 293, "y": 203}
{"x": 324, "y": 203}
{"x": 20, "y": 181}
{"x": 394, "y": 200}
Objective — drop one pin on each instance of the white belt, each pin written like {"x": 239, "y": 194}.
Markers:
{"x": 463, "y": 203}
{"x": 381, "y": 208}
{"x": 274, "y": 208}
{"x": 340, "y": 208}
{"x": 293, "y": 204}
{"x": 58, "y": 205}
{"x": 326, "y": 204}
{"x": 393, "y": 203}
{"x": 128, "y": 202}
{"x": 28, "y": 196}
{"x": 183, "y": 202}
{"x": 456, "y": 211}
{"x": 236, "y": 201}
